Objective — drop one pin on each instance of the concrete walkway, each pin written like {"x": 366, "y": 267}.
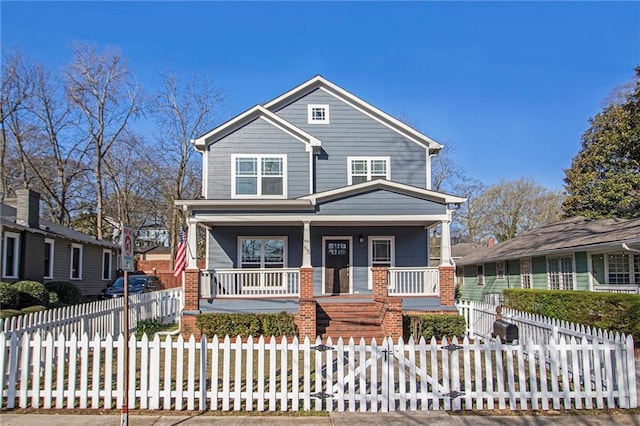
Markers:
{"x": 432, "y": 418}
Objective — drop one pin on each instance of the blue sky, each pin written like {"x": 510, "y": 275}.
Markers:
{"x": 510, "y": 84}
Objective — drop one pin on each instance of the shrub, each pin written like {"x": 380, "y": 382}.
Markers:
{"x": 34, "y": 308}
{"x": 67, "y": 293}
{"x": 9, "y": 297}
{"x": 612, "y": 311}
{"x": 31, "y": 293}
{"x": 246, "y": 325}
{"x": 7, "y": 313}
{"x": 438, "y": 325}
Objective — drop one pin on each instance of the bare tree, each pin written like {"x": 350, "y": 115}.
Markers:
{"x": 512, "y": 207}
{"x": 183, "y": 110}
{"x": 466, "y": 220}
{"x": 101, "y": 87}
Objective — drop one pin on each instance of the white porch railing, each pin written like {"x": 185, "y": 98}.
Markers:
{"x": 414, "y": 281}
{"x": 617, "y": 288}
{"x": 250, "y": 282}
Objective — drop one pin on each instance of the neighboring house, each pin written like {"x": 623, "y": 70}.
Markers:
{"x": 302, "y": 197}
{"x": 152, "y": 235}
{"x": 573, "y": 254}
{"x": 39, "y": 250}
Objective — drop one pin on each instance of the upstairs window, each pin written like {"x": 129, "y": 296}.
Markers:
{"x": 11, "y": 251}
{"x": 48, "y": 258}
{"x": 318, "y": 114}
{"x": 362, "y": 169}
{"x": 259, "y": 175}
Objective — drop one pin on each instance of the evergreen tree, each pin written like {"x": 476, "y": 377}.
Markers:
{"x": 604, "y": 178}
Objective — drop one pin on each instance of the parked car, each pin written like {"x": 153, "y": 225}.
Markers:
{"x": 138, "y": 283}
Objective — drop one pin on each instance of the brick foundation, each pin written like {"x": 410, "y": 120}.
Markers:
{"x": 447, "y": 285}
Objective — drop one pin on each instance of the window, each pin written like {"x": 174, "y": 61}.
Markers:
{"x": 525, "y": 273}
{"x": 318, "y": 114}
{"x": 636, "y": 267}
{"x": 381, "y": 253}
{"x": 500, "y": 268}
{"x": 362, "y": 169}
{"x": 560, "y": 273}
{"x": 48, "y": 259}
{"x": 262, "y": 252}
{"x": 259, "y": 175}
{"x": 618, "y": 268}
{"x": 106, "y": 264}
{"x": 76, "y": 262}
{"x": 459, "y": 275}
{"x": 11, "y": 253}
{"x": 480, "y": 275}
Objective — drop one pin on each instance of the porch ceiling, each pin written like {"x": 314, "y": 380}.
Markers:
{"x": 315, "y": 220}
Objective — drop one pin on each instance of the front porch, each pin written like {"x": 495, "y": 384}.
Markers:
{"x": 377, "y": 313}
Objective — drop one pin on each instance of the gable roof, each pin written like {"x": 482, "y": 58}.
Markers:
{"x": 378, "y": 184}
{"x": 248, "y": 116}
{"x": 319, "y": 82}
{"x": 573, "y": 234}
{"x": 50, "y": 229}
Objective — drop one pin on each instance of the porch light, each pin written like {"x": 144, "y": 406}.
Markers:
{"x": 361, "y": 238}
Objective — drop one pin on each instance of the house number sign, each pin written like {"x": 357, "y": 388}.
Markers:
{"x": 337, "y": 249}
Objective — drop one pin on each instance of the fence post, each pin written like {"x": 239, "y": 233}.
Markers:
{"x": 472, "y": 318}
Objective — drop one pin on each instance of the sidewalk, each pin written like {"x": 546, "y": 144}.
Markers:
{"x": 432, "y": 418}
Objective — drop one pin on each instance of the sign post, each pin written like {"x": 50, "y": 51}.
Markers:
{"x": 127, "y": 266}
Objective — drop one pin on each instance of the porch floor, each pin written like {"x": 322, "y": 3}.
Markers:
{"x": 249, "y": 305}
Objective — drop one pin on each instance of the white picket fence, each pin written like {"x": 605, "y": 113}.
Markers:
{"x": 45, "y": 371}
{"x": 531, "y": 327}
{"x": 101, "y": 317}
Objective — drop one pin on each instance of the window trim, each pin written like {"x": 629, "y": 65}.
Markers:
{"x": 110, "y": 253}
{"x": 285, "y": 239}
{"x": 49, "y": 272}
{"x": 480, "y": 274}
{"x": 16, "y": 254}
{"x": 368, "y": 160}
{"x": 528, "y": 274}
{"x": 370, "y": 239}
{"x": 573, "y": 272}
{"x": 71, "y": 247}
{"x": 258, "y": 158}
{"x": 311, "y": 120}
{"x": 501, "y": 274}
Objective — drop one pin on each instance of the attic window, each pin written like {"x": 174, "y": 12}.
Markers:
{"x": 318, "y": 114}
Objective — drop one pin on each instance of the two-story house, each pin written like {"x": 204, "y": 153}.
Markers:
{"x": 320, "y": 204}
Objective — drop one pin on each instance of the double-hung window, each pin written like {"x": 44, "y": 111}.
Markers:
{"x": 362, "y": 169}
{"x": 75, "y": 266}
{"x": 525, "y": 273}
{"x": 381, "y": 253}
{"x": 106, "y": 264}
{"x": 500, "y": 269}
{"x": 259, "y": 175}
{"x": 618, "y": 268}
{"x": 11, "y": 254}
{"x": 480, "y": 275}
{"x": 560, "y": 273}
{"x": 48, "y": 258}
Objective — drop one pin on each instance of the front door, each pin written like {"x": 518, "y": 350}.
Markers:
{"x": 336, "y": 266}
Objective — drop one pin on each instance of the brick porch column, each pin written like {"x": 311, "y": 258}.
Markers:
{"x": 447, "y": 285}
{"x": 380, "y": 276}
{"x": 191, "y": 303}
{"x": 306, "y": 318}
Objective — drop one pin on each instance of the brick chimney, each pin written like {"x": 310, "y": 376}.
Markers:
{"x": 28, "y": 208}
{"x": 491, "y": 242}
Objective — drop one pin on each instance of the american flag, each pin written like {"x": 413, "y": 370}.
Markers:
{"x": 180, "y": 262}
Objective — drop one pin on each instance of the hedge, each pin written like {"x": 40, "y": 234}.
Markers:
{"x": 9, "y": 297}
{"x": 611, "y": 311}
{"x": 31, "y": 293}
{"x": 245, "y": 325}
{"x": 66, "y": 292}
{"x": 438, "y": 325}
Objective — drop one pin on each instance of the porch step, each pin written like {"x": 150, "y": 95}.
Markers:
{"x": 349, "y": 319}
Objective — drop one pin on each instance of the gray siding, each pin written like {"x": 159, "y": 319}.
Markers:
{"x": 381, "y": 203}
{"x": 352, "y": 133}
{"x": 257, "y": 137}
